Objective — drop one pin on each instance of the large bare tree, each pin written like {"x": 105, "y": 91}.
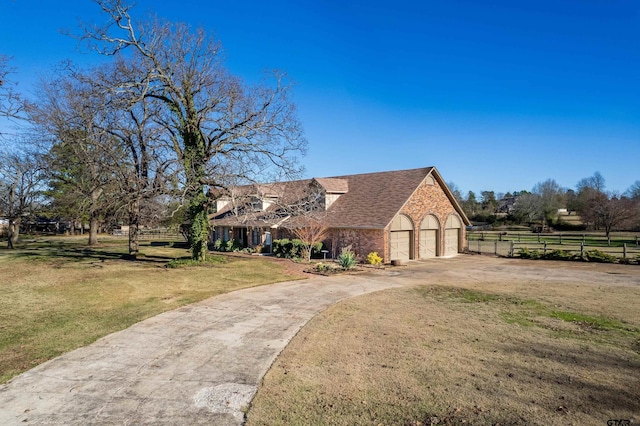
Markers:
{"x": 217, "y": 125}
{"x": 527, "y": 208}
{"x": 307, "y": 216}
{"x": 550, "y": 198}
{"x": 21, "y": 183}
{"x": 589, "y": 192}
{"x": 11, "y": 103}
{"x": 610, "y": 211}
{"x": 145, "y": 168}
{"x": 70, "y": 116}
{"x": 634, "y": 191}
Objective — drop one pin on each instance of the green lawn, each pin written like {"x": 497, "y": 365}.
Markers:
{"x": 56, "y": 294}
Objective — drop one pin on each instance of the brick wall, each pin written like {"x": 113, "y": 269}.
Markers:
{"x": 427, "y": 199}
{"x": 431, "y": 199}
{"x": 361, "y": 241}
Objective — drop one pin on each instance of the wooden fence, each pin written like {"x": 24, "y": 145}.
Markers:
{"x": 153, "y": 234}
{"x": 510, "y": 244}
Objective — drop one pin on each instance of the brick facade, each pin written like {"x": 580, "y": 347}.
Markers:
{"x": 363, "y": 210}
{"x": 361, "y": 241}
{"x": 430, "y": 198}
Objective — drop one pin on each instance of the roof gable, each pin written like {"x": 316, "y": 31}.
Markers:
{"x": 333, "y": 185}
{"x": 374, "y": 199}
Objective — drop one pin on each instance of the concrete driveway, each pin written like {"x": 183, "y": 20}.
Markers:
{"x": 200, "y": 364}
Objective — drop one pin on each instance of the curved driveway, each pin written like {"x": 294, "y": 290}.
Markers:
{"x": 201, "y": 364}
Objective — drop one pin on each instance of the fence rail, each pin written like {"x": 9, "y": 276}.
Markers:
{"x": 510, "y": 244}
{"x": 152, "y": 234}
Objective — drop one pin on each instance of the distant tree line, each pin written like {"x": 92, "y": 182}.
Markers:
{"x": 145, "y": 135}
{"x": 598, "y": 208}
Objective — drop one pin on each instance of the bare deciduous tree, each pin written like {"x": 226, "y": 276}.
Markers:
{"x": 311, "y": 229}
{"x": 21, "y": 183}
{"x": 551, "y": 198}
{"x": 595, "y": 182}
{"x": 308, "y": 218}
{"x": 634, "y": 191}
{"x": 144, "y": 169}
{"x": 70, "y": 116}
{"x": 527, "y": 208}
{"x": 610, "y": 211}
{"x": 216, "y": 124}
{"x": 587, "y": 190}
{"x": 11, "y": 104}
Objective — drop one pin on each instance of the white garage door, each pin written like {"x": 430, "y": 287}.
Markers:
{"x": 400, "y": 242}
{"x": 429, "y": 237}
{"x": 451, "y": 235}
{"x": 428, "y": 243}
{"x": 450, "y": 242}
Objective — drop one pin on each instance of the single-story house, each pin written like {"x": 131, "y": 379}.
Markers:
{"x": 402, "y": 214}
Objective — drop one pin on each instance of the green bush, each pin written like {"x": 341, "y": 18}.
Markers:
{"x": 284, "y": 248}
{"x": 293, "y": 249}
{"x": 316, "y": 249}
{"x": 278, "y": 247}
{"x": 525, "y": 253}
{"x": 559, "y": 255}
{"x": 347, "y": 259}
{"x": 588, "y": 256}
{"x": 324, "y": 268}
{"x": 232, "y": 245}
{"x": 598, "y": 256}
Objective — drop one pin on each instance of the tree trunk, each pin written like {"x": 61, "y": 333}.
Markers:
{"x": 199, "y": 228}
{"x": 93, "y": 231}
{"x": 134, "y": 227}
{"x": 14, "y": 233}
{"x": 93, "y": 216}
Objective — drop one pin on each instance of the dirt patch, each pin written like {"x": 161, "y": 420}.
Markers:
{"x": 471, "y": 340}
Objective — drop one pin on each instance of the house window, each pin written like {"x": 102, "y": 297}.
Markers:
{"x": 225, "y": 234}
{"x": 255, "y": 237}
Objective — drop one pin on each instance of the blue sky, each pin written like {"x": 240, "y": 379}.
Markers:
{"x": 498, "y": 95}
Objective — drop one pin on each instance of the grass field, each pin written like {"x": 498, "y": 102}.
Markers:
{"x": 56, "y": 294}
{"x": 468, "y": 347}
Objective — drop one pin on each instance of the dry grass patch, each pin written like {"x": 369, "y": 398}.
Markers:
{"x": 59, "y": 295}
{"x": 461, "y": 354}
